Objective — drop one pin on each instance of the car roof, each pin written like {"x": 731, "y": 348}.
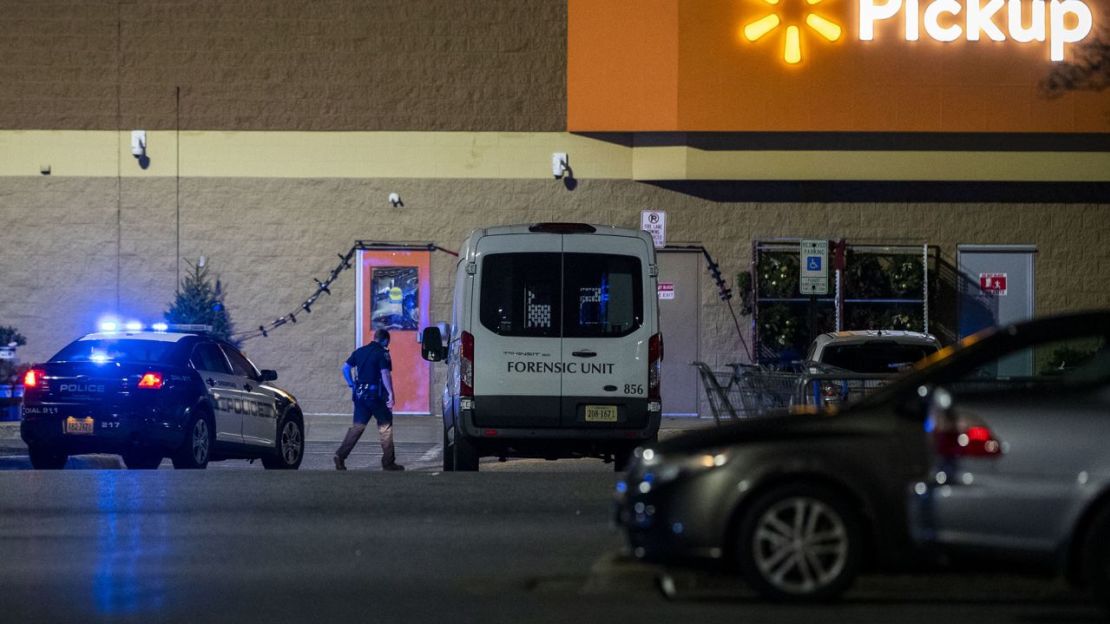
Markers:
{"x": 611, "y": 230}
{"x": 138, "y": 335}
{"x": 863, "y": 336}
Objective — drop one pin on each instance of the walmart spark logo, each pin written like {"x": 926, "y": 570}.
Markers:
{"x": 792, "y": 51}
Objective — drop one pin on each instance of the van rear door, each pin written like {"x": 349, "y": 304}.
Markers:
{"x": 517, "y": 347}
{"x": 608, "y": 319}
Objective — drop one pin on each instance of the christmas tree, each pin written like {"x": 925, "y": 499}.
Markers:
{"x": 199, "y": 302}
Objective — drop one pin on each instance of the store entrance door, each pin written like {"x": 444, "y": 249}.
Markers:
{"x": 680, "y": 324}
{"x": 996, "y": 288}
{"x": 394, "y": 293}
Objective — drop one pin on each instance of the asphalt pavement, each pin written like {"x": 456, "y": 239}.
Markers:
{"x": 233, "y": 546}
{"x": 519, "y": 541}
{"x": 418, "y": 443}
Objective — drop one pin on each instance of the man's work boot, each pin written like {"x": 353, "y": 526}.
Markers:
{"x": 393, "y": 467}
{"x": 348, "y": 444}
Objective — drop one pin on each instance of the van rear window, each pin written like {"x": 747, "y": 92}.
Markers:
{"x": 551, "y": 295}
{"x": 603, "y": 295}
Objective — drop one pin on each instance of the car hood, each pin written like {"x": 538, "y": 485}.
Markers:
{"x": 778, "y": 426}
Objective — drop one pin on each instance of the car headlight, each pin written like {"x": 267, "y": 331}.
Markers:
{"x": 674, "y": 467}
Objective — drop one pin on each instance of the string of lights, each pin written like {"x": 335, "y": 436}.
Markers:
{"x": 324, "y": 287}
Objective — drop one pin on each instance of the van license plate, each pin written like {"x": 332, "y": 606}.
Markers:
{"x": 601, "y": 413}
{"x": 79, "y": 426}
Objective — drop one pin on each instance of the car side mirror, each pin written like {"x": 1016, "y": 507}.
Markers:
{"x": 267, "y": 375}
{"x": 431, "y": 345}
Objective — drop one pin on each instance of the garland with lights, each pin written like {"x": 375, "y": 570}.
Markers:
{"x": 324, "y": 287}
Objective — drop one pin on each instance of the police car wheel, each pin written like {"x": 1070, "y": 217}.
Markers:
{"x": 196, "y": 448}
{"x": 47, "y": 459}
{"x": 289, "y": 450}
{"x": 142, "y": 460}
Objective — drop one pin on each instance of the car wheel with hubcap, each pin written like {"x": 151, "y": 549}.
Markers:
{"x": 46, "y": 458}
{"x": 289, "y": 450}
{"x": 196, "y": 449}
{"x": 799, "y": 543}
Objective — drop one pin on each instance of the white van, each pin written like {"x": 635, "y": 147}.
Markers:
{"x": 554, "y": 347}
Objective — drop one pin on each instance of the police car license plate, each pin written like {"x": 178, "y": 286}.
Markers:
{"x": 79, "y": 426}
{"x": 601, "y": 413}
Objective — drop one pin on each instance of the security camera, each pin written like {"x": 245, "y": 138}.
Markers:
{"x": 138, "y": 143}
{"x": 559, "y": 165}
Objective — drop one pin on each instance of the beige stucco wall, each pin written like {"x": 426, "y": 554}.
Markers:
{"x": 267, "y": 239}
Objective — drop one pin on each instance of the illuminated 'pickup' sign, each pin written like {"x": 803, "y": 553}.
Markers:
{"x": 1061, "y": 22}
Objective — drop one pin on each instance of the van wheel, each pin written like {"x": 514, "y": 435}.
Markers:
{"x": 448, "y": 454}
{"x": 466, "y": 456}
{"x": 46, "y": 459}
{"x": 289, "y": 450}
{"x": 621, "y": 458}
{"x": 799, "y": 543}
{"x": 1096, "y": 558}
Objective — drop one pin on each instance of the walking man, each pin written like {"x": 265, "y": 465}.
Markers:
{"x": 372, "y": 394}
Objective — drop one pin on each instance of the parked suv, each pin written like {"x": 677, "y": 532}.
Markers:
{"x": 147, "y": 395}
{"x": 842, "y": 366}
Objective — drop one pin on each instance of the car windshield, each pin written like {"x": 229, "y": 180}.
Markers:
{"x": 875, "y": 356}
{"x": 116, "y": 350}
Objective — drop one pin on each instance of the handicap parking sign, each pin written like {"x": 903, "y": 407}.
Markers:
{"x": 813, "y": 263}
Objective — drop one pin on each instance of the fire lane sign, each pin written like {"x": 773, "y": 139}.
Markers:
{"x": 654, "y": 222}
{"x": 814, "y": 267}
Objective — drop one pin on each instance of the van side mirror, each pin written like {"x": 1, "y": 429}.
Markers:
{"x": 267, "y": 375}
{"x": 431, "y": 345}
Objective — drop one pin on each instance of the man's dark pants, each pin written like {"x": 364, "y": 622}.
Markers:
{"x": 363, "y": 411}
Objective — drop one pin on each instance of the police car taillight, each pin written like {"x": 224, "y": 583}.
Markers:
{"x": 655, "y": 366}
{"x": 466, "y": 365}
{"x": 32, "y": 378}
{"x": 151, "y": 381}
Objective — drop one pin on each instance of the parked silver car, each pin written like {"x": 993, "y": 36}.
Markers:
{"x": 1020, "y": 457}
{"x": 1000, "y": 443}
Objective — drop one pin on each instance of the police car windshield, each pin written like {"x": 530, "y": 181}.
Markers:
{"x": 117, "y": 350}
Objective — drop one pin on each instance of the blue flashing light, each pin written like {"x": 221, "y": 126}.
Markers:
{"x": 160, "y": 327}
{"x": 649, "y": 477}
{"x": 134, "y": 326}
{"x": 622, "y": 487}
{"x": 109, "y": 326}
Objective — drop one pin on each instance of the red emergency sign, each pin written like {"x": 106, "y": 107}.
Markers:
{"x": 993, "y": 283}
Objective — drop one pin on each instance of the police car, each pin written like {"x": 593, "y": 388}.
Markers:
{"x": 150, "y": 394}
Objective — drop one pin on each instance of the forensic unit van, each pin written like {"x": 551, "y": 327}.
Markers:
{"x": 554, "y": 347}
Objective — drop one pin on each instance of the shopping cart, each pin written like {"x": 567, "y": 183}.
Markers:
{"x": 747, "y": 390}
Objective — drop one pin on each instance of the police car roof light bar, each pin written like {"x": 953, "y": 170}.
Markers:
{"x": 189, "y": 328}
